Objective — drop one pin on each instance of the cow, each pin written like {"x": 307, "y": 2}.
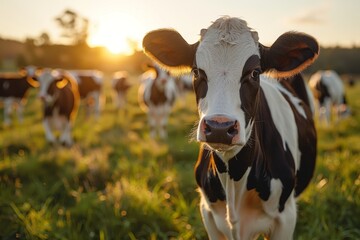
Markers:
{"x": 156, "y": 95}
{"x": 329, "y": 92}
{"x": 90, "y": 86}
{"x": 60, "y": 96}
{"x": 258, "y": 139}
{"x": 14, "y": 87}
{"x": 120, "y": 87}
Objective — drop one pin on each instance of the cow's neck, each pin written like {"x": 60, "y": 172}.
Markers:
{"x": 233, "y": 174}
{"x": 237, "y": 164}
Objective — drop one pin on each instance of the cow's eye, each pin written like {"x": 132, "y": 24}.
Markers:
{"x": 255, "y": 74}
{"x": 196, "y": 72}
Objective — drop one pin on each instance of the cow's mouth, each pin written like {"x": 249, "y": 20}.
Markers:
{"x": 221, "y": 147}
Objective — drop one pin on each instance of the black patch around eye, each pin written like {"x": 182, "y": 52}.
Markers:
{"x": 199, "y": 83}
{"x": 251, "y": 65}
{"x": 255, "y": 73}
{"x": 196, "y": 72}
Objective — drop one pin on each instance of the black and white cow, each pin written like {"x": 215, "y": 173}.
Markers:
{"x": 258, "y": 137}
{"x": 14, "y": 87}
{"x": 157, "y": 94}
{"x": 329, "y": 92}
{"x": 60, "y": 95}
{"x": 90, "y": 84}
{"x": 120, "y": 87}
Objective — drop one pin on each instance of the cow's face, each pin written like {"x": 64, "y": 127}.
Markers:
{"x": 49, "y": 80}
{"x": 226, "y": 82}
{"x": 226, "y": 63}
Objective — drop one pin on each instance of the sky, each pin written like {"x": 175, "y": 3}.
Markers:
{"x": 112, "y": 22}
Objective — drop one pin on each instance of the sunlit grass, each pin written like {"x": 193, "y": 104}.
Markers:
{"x": 118, "y": 183}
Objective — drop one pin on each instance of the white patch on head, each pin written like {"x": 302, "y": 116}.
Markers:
{"x": 45, "y": 79}
{"x": 222, "y": 53}
{"x": 30, "y": 70}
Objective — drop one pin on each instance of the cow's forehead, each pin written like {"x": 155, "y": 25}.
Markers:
{"x": 226, "y": 45}
{"x": 46, "y": 76}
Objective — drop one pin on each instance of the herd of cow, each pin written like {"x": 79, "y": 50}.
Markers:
{"x": 61, "y": 92}
{"x": 256, "y": 128}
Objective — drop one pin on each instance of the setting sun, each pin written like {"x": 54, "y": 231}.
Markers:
{"x": 115, "y": 33}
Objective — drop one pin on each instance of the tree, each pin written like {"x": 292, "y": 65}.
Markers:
{"x": 44, "y": 39}
{"x": 75, "y": 27}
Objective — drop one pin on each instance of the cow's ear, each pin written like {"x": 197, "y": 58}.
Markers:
{"x": 22, "y": 71}
{"x": 168, "y": 48}
{"x": 290, "y": 54}
{"x": 61, "y": 82}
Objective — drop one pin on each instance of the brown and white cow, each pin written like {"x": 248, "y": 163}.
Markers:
{"x": 90, "y": 84}
{"x": 60, "y": 95}
{"x": 157, "y": 94}
{"x": 258, "y": 140}
{"x": 14, "y": 87}
{"x": 329, "y": 92}
{"x": 120, "y": 86}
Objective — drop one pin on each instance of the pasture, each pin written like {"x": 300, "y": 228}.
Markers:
{"x": 118, "y": 183}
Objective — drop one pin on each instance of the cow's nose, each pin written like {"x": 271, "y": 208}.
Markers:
{"x": 220, "y": 129}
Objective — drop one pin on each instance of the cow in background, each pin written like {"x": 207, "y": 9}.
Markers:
{"x": 14, "y": 87}
{"x": 90, "y": 84}
{"x": 60, "y": 96}
{"x": 120, "y": 88}
{"x": 258, "y": 139}
{"x": 157, "y": 94}
{"x": 329, "y": 92}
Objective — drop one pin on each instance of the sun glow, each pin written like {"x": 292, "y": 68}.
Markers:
{"x": 116, "y": 33}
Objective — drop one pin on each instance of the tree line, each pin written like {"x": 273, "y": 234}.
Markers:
{"x": 342, "y": 60}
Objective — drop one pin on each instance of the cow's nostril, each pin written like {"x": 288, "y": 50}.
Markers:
{"x": 220, "y": 131}
{"x": 207, "y": 129}
{"x": 232, "y": 131}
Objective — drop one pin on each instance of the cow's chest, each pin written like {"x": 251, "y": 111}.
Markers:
{"x": 243, "y": 209}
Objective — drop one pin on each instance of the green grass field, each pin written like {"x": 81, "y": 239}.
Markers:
{"x": 118, "y": 183}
